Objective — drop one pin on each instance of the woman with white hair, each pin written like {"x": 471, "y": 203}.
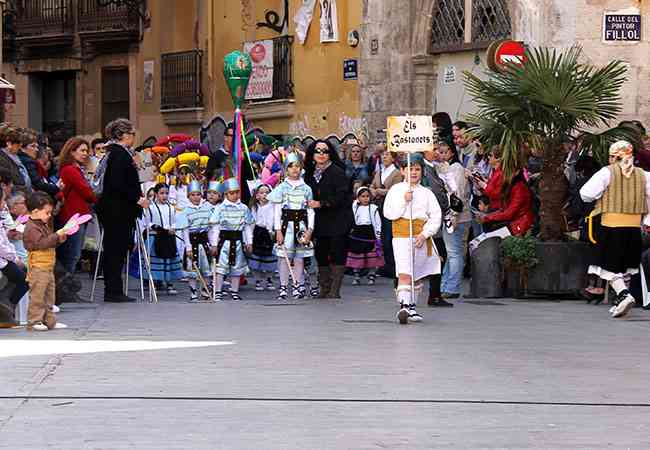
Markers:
{"x": 120, "y": 204}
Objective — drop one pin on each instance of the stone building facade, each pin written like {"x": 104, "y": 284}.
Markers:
{"x": 413, "y": 52}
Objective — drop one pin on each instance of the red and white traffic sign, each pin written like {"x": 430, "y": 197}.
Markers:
{"x": 505, "y": 51}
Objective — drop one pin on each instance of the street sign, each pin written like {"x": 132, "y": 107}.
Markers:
{"x": 622, "y": 26}
{"x": 505, "y": 51}
{"x": 449, "y": 76}
{"x": 409, "y": 133}
{"x": 350, "y": 69}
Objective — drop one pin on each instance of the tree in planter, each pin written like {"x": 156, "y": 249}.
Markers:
{"x": 543, "y": 104}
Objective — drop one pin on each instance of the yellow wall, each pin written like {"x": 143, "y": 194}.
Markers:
{"x": 325, "y": 103}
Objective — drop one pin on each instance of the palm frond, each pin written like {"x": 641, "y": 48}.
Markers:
{"x": 597, "y": 144}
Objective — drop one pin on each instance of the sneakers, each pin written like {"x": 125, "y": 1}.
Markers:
{"x": 171, "y": 290}
{"x": 235, "y": 296}
{"x": 624, "y": 307}
{"x": 439, "y": 303}
{"x": 39, "y": 326}
{"x": 413, "y": 315}
{"x": 269, "y": 284}
{"x": 55, "y": 309}
{"x": 356, "y": 281}
{"x": 194, "y": 297}
{"x": 60, "y": 326}
{"x": 218, "y": 296}
{"x": 282, "y": 293}
{"x": 259, "y": 286}
{"x": 314, "y": 291}
{"x": 403, "y": 314}
{"x": 371, "y": 279}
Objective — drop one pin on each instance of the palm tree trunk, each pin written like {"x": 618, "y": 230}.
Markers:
{"x": 552, "y": 193}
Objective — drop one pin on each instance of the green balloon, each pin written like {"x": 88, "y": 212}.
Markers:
{"x": 237, "y": 69}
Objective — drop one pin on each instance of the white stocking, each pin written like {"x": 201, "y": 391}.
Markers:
{"x": 234, "y": 284}
{"x": 299, "y": 270}
{"x": 618, "y": 284}
{"x": 218, "y": 284}
{"x": 404, "y": 294}
{"x": 284, "y": 272}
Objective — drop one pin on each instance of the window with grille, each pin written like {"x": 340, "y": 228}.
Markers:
{"x": 448, "y": 30}
{"x": 453, "y": 30}
{"x": 181, "y": 80}
{"x": 490, "y": 20}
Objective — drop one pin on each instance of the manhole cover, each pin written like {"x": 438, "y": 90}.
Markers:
{"x": 368, "y": 321}
{"x": 484, "y": 303}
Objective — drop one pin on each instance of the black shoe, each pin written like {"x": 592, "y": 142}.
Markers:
{"x": 440, "y": 303}
{"x": 117, "y": 298}
{"x": 448, "y": 295}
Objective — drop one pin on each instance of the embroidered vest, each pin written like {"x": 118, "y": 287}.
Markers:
{"x": 624, "y": 195}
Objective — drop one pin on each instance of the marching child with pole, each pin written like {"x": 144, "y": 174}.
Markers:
{"x": 231, "y": 234}
{"x": 194, "y": 222}
{"x": 294, "y": 224}
{"x": 416, "y": 217}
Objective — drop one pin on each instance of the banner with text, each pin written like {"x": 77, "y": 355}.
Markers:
{"x": 409, "y": 133}
{"x": 261, "y": 82}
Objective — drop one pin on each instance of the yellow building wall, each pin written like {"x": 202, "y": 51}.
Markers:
{"x": 324, "y": 103}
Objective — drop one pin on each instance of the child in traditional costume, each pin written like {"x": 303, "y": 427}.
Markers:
{"x": 160, "y": 219}
{"x": 404, "y": 201}
{"x": 262, "y": 261}
{"x": 194, "y": 222}
{"x": 294, "y": 224}
{"x": 231, "y": 234}
{"x": 622, "y": 192}
{"x": 364, "y": 250}
{"x": 214, "y": 194}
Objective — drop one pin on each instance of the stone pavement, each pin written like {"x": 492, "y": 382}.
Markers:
{"x": 328, "y": 375}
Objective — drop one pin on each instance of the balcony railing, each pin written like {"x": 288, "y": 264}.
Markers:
{"x": 181, "y": 80}
{"x": 40, "y": 18}
{"x": 95, "y": 18}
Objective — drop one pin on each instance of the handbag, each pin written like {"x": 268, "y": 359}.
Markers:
{"x": 455, "y": 203}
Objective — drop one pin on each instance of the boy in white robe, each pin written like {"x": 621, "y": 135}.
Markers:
{"x": 403, "y": 199}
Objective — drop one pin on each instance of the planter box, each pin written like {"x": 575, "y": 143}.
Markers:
{"x": 561, "y": 270}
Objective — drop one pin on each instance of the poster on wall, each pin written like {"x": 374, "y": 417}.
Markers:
{"x": 148, "y": 81}
{"x": 303, "y": 19}
{"x": 329, "y": 24}
{"x": 261, "y": 82}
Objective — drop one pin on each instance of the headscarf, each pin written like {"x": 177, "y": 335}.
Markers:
{"x": 623, "y": 152}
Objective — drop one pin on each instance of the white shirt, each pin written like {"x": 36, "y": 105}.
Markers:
{"x": 385, "y": 172}
{"x": 264, "y": 215}
{"x": 594, "y": 189}
{"x": 424, "y": 207}
{"x": 367, "y": 215}
{"x": 161, "y": 214}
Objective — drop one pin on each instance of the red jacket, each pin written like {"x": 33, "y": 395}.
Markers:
{"x": 77, "y": 193}
{"x": 493, "y": 189}
{"x": 518, "y": 211}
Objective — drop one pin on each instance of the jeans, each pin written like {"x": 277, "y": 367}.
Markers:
{"x": 70, "y": 251}
{"x": 452, "y": 274}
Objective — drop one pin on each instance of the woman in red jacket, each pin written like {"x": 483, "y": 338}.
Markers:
{"x": 516, "y": 210}
{"x": 77, "y": 195}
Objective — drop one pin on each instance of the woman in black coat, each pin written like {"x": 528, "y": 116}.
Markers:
{"x": 119, "y": 206}
{"x": 325, "y": 174}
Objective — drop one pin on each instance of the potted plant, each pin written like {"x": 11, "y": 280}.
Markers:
{"x": 548, "y": 101}
{"x": 518, "y": 256}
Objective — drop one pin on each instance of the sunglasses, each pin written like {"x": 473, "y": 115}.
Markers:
{"x": 322, "y": 151}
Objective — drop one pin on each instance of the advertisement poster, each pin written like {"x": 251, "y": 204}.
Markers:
{"x": 329, "y": 24}
{"x": 148, "y": 81}
{"x": 261, "y": 82}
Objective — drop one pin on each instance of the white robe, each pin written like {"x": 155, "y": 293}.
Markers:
{"x": 424, "y": 207}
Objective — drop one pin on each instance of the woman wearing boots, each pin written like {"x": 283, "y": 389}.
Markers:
{"x": 325, "y": 174}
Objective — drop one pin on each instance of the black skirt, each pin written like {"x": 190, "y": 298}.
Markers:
{"x": 619, "y": 248}
{"x": 262, "y": 241}
{"x": 362, "y": 239}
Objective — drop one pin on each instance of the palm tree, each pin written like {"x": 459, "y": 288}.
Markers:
{"x": 543, "y": 104}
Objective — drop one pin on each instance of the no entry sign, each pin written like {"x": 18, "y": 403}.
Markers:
{"x": 505, "y": 51}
